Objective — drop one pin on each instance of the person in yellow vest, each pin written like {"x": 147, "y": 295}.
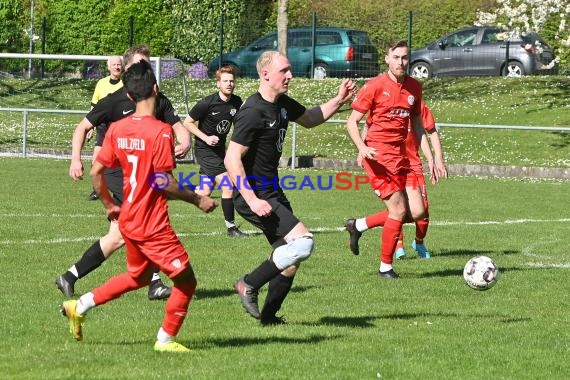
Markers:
{"x": 104, "y": 87}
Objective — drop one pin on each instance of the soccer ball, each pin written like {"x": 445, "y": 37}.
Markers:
{"x": 481, "y": 273}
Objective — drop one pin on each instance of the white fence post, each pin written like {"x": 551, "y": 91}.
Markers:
{"x": 24, "y": 133}
{"x": 294, "y": 146}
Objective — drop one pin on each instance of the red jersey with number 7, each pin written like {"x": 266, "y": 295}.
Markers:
{"x": 144, "y": 148}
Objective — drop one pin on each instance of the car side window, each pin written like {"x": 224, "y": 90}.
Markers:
{"x": 300, "y": 39}
{"x": 490, "y": 36}
{"x": 267, "y": 43}
{"x": 328, "y": 38}
{"x": 463, "y": 38}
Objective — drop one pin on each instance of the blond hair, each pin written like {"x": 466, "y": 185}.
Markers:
{"x": 266, "y": 59}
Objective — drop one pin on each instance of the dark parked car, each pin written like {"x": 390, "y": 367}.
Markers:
{"x": 476, "y": 51}
{"x": 339, "y": 52}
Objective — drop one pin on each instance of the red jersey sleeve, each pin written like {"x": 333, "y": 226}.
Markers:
{"x": 106, "y": 155}
{"x": 365, "y": 98}
{"x": 427, "y": 118}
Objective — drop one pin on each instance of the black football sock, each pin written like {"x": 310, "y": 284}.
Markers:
{"x": 279, "y": 287}
{"x": 262, "y": 274}
{"x": 91, "y": 260}
{"x": 69, "y": 277}
{"x": 228, "y": 210}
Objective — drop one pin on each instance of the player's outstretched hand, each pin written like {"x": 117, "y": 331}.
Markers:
{"x": 76, "y": 170}
{"x": 346, "y": 90}
{"x": 206, "y": 204}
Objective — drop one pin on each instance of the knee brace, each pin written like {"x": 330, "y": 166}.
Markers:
{"x": 294, "y": 252}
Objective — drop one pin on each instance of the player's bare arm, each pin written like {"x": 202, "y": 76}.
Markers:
{"x": 359, "y": 157}
{"x": 439, "y": 160}
{"x": 77, "y": 142}
{"x": 428, "y": 155}
{"x": 100, "y": 186}
{"x": 357, "y": 139}
{"x": 203, "y": 202}
{"x": 319, "y": 114}
{"x": 183, "y": 138}
{"x": 192, "y": 127}
{"x": 236, "y": 172}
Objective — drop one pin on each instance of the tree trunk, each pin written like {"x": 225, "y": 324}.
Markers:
{"x": 282, "y": 21}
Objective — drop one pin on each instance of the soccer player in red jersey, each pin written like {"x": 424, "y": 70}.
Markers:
{"x": 111, "y": 108}
{"x": 144, "y": 148}
{"x": 415, "y": 179}
{"x": 392, "y": 101}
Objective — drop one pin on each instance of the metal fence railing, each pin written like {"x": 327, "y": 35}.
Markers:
{"x": 23, "y": 150}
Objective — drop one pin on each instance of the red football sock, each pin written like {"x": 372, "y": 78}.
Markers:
{"x": 115, "y": 287}
{"x": 177, "y": 307}
{"x": 421, "y": 229}
{"x": 377, "y": 220}
{"x": 390, "y": 234}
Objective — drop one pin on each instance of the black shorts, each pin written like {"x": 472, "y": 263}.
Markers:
{"x": 211, "y": 161}
{"x": 114, "y": 181}
{"x": 101, "y": 129}
{"x": 275, "y": 226}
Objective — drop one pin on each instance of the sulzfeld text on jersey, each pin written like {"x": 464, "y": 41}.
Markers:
{"x": 129, "y": 143}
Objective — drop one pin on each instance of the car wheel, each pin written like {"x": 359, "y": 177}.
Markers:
{"x": 421, "y": 70}
{"x": 320, "y": 71}
{"x": 514, "y": 70}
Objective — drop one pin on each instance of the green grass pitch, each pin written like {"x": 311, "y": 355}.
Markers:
{"x": 344, "y": 322}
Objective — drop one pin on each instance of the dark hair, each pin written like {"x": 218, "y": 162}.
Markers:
{"x": 139, "y": 80}
{"x": 396, "y": 44}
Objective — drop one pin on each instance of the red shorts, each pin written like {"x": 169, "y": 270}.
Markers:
{"x": 384, "y": 181}
{"x": 163, "y": 250}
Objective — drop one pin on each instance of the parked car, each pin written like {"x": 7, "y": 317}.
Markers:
{"x": 477, "y": 51}
{"x": 339, "y": 52}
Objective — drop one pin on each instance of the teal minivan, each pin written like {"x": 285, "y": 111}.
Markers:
{"x": 339, "y": 52}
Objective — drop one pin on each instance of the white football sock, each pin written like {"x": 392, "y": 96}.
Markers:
{"x": 385, "y": 267}
{"x": 85, "y": 303}
{"x": 163, "y": 337}
{"x": 360, "y": 224}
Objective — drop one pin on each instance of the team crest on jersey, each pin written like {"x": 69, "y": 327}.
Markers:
{"x": 411, "y": 100}
{"x": 283, "y": 114}
{"x": 233, "y": 112}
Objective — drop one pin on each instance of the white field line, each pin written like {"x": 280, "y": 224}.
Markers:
{"x": 64, "y": 240}
{"x": 528, "y": 251}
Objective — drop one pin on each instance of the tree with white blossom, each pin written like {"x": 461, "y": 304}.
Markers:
{"x": 524, "y": 16}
